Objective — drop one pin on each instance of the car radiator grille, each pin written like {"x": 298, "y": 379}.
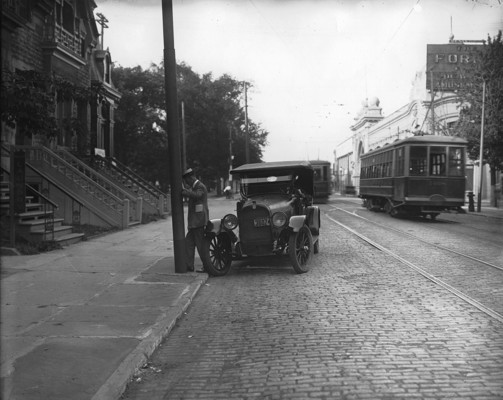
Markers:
{"x": 255, "y": 240}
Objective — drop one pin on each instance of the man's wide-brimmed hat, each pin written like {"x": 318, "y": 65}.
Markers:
{"x": 188, "y": 172}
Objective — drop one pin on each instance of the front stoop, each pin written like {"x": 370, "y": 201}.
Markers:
{"x": 63, "y": 235}
{"x": 32, "y": 223}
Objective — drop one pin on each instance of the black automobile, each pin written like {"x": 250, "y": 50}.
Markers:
{"x": 275, "y": 215}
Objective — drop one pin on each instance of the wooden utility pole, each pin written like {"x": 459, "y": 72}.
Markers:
{"x": 230, "y": 155}
{"x": 184, "y": 140}
{"x": 247, "y": 141}
{"x": 481, "y": 156}
{"x": 175, "y": 170}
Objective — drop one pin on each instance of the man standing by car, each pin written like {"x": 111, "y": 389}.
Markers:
{"x": 198, "y": 216}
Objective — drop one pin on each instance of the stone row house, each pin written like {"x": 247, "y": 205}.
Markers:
{"x": 60, "y": 38}
{"x": 72, "y": 171}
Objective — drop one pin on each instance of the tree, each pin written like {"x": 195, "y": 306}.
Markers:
{"x": 28, "y": 104}
{"x": 490, "y": 71}
{"x": 29, "y": 101}
{"x": 141, "y": 141}
{"x": 213, "y": 116}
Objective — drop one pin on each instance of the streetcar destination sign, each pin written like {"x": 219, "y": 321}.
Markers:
{"x": 451, "y": 66}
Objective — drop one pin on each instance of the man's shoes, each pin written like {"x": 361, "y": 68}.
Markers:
{"x": 200, "y": 271}
{"x": 190, "y": 269}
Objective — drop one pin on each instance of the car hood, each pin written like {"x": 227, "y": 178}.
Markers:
{"x": 273, "y": 202}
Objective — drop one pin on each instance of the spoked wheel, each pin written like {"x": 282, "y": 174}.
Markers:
{"x": 220, "y": 250}
{"x": 369, "y": 204}
{"x": 393, "y": 211}
{"x": 300, "y": 249}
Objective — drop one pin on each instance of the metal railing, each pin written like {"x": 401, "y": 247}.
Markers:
{"x": 48, "y": 207}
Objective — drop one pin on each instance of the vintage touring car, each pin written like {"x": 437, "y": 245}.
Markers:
{"x": 275, "y": 215}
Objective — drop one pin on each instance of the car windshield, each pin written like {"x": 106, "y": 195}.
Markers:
{"x": 254, "y": 186}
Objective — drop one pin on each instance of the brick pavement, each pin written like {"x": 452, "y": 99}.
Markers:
{"x": 359, "y": 325}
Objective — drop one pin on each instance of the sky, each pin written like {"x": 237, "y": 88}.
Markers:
{"x": 311, "y": 63}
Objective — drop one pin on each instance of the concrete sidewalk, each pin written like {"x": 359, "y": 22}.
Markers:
{"x": 77, "y": 323}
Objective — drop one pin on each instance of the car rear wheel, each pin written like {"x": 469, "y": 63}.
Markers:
{"x": 300, "y": 249}
{"x": 220, "y": 250}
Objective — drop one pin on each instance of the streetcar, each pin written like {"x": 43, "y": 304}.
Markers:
{"x": 322, "y": 180}
{"x": 417, "y": 176}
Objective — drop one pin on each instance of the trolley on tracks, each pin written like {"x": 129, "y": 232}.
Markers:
{"x": 420, "y": 175}
{"x": 322, "y": 180}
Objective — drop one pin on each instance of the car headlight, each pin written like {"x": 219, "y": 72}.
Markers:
{"x": 230, "y": 222}
{"x": 279, "y": 219}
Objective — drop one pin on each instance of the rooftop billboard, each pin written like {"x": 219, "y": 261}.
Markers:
{"x": 450, "y": 67}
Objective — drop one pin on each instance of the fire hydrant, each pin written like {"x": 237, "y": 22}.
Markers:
{"x": 471, "y": 202}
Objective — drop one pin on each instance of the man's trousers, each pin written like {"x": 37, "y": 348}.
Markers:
{"x": 195, "y": 239}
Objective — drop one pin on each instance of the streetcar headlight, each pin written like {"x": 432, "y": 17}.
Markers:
{"x": 230, "y": 222}
{"x": 279, "y": 219}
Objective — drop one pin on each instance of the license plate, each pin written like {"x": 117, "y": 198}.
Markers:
{"x": 258, "y": 222}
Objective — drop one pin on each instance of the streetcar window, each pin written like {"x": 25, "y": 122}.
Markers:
{"x": 387, "y": 164}
{"x": 387, "y": 169}
{"x": 400, "y": 162}
{"x": 418, "y": 161}
{"x": 438, "y": 161}
{"x": 456, "y": 165}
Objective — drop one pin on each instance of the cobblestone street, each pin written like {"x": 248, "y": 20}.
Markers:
{"x": 359, "y": 325}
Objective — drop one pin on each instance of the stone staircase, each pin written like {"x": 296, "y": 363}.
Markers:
{"x": 37, "y": 223}
{"x": 104, "y": 198}
{"x": 155, "y": 202}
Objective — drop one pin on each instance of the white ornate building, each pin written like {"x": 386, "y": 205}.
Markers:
{"x": 373, "y": 130}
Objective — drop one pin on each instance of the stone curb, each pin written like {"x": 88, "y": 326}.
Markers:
{"x": 116, "y": 384}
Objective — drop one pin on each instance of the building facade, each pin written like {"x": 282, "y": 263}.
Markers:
{"x": 59, "y": 39}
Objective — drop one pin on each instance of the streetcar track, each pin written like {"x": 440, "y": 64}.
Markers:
{"x": 421, "y": 271}
{"x": 421, "y": 240}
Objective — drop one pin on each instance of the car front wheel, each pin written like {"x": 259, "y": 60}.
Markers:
{"x": 220, "y": 250}
{"x": 300, "y": 249}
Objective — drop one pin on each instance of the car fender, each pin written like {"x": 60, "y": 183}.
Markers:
{"x": 296, "y": 222}
{"x": 215, "y": 226}
{"x": 314, "y": 219}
